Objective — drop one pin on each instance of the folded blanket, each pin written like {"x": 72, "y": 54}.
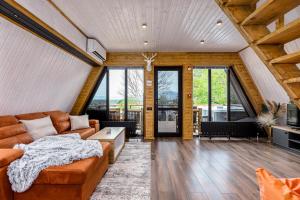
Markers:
{"x": 49, "y": 151}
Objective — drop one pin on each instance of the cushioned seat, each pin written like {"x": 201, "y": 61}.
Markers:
{"x": 84, "y": 133}
{"x": 75, "y": 181}
{"x": 74, "y": 173}
{"x": 272, "y": 188}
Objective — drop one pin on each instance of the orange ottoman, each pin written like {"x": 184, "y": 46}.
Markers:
{"x": 272, "y": 188}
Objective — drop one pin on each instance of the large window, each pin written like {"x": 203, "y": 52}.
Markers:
{"x": 135, "y": 96}
{"x": 218, "y": 91}
{"x": 119, "y": 96}
{"x": 200, "y": 94}
{"x": 98, "y": 106}
{"x": 218, "y": 96}
{"x": 116, "y": 94}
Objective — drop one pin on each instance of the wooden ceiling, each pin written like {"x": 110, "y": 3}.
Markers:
{"x": 173, "y": 25}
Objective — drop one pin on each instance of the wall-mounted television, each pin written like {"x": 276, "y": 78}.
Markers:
{"x": 293, "y": 115}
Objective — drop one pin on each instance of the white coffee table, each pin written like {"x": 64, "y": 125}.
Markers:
{"x": 115, "y": 136}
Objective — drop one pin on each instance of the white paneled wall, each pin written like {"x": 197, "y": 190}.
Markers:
{"x": 269, "y": 88}
{"x": 35, "y": 75}
{"x": 52, "y": 17}
{"x": 48, "y": 14}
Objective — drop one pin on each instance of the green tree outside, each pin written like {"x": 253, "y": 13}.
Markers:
{"x": 218, "y": 86}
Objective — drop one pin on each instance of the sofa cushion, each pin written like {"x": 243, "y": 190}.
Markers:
{"x": 38, "y": 128}
{"x": 11, "y": 130}
{"x": 13, "y": 134}
{"x": 30, "y": 116}
{"x": 79, "y": 122}
{"x": 74, "y": 173}
{"x": 9, "y": 155}
{"x": 10, "y": 142}
{"x": 7, "y": 120}
{"x": 60, "y": 120}
{"x": 84, "y": 133}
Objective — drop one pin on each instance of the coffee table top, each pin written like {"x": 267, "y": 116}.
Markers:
{"x": 107, "y": 134}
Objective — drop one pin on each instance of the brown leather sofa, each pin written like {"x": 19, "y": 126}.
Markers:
{"x": 75, "y": 181}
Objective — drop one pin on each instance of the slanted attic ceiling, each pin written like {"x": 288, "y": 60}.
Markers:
{"x": 173, "y": 25}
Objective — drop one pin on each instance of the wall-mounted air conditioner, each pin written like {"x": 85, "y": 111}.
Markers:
{"x": 93, "y": 46}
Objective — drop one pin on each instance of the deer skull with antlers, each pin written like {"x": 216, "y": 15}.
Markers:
{"x": 149, "y": 60}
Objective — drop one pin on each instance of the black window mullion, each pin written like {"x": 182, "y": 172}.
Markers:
{"x": 107, "y": 94}
{"x": 126, "y": 94}
{"x": 209, "y": 95}
{"x": 228, "y": 96}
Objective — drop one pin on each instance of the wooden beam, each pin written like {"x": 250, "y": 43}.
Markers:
{"x": 283, "y": 35}
{"x": 285, "y": 71}
{"x": 280, "y": 22}
{"x": 240, "y": 13}
{"x": 295, "y": 89}
{"x": 240, "y": 2}
{"x": 293, "y": 58}
{"x": 270, "y": 10}
{"x": 292, "y": 80}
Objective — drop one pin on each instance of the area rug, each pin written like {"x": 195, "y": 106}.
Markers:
{"x": 129, "y": 178}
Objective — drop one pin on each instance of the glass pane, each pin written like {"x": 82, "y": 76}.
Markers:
{"x": 219, "y": 94}
{"x": 97, "y": 108}
{"x": 116, "y": 94}
{"x": 167, "y": 83}
{"x": 135, "y": 82}
{"x": 167, "y": 121}
{"x": 237, "y": 111}
{"x": 200, "y": 95}
{"x": 99, "y": 100}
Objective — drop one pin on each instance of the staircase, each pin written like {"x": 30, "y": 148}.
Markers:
{"x": 252, "y": 23}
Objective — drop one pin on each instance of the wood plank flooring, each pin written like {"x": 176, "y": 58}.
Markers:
{"x": 215, "y": 170}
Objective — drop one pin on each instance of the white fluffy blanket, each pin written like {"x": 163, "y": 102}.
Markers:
{"x": 49, "y": 151}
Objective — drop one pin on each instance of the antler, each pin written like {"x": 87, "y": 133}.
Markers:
{"x": 144, "y": 56}
{"x": 150, "y": 58}
{"x": 153, "y": 55}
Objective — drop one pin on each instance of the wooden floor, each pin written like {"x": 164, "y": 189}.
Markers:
{"x": 189, "y": 170}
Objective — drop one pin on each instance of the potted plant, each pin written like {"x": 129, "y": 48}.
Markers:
{"x": 271, "y": 112}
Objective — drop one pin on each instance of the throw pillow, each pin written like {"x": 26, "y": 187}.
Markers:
{"x": 277, "y": 189}
{"x": 39, "y": 128}
{"x": 79, "y": 122}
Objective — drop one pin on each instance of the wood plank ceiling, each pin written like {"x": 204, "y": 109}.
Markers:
{"x": 173, "y": 25}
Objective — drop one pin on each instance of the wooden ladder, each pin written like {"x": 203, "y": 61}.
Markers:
{"x": 252, "y": 23}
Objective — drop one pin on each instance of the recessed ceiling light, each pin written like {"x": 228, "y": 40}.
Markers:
{"x": 219, "y": 22}
{"x": 144, "y": 26}
{"x": 146, "y": 42}
{"x": 202, "y": 42}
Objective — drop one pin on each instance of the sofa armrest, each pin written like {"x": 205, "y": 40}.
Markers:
{"x": 94, "y": 124}
{"x": 9, "y": 155}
